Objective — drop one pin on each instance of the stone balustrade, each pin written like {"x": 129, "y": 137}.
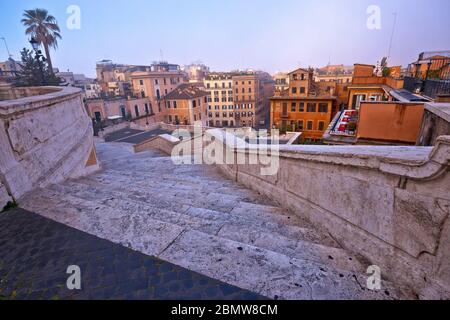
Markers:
{"x": 388, "y": 205}
{"x": 44, "y": 139}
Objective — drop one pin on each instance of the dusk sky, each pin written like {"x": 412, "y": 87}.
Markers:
{"x": 225, "y": 35}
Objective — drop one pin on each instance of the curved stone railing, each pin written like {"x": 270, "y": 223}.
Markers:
{"x": 44, "y": 139}
{"x": 388, "y": 205}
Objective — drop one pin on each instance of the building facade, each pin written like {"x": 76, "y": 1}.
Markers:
{"x": 186, "y": 105}
{"x": 220, "y": 100}
{"x": 302, "y": 108}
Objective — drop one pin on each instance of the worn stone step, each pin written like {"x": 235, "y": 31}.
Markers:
{"x": 171, "y": 199}
{"x": 131, "y": 202}
{"x": 303, "y": 244}
{"x": 296, "y": 278}
{"x": 263, "y": 271}
{"x": 269, "y": 273}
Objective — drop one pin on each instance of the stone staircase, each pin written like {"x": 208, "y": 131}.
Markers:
{"x": 194, "y": 217}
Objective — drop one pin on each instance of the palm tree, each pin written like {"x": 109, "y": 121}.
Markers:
{"x": 44, "y": 28}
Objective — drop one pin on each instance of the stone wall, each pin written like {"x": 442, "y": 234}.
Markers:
{"x": 44, "y": 139}
{"x": 435, "y": 123}
{"x": 388, "y": 205}
{"x": 163, "y": 142}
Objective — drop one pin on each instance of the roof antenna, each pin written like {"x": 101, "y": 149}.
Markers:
{"x": 392, "y": 35}
{"x": 6, "y": 46}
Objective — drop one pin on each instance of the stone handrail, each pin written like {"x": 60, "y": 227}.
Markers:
{"x": 44, "y": 139}
{"x": 163, "y": 142}
{"x": 389, "y": 205}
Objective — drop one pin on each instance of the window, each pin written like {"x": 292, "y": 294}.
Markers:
{"x": 250, "y": 90}
{"x": 141, "y": 82}
{"x": 375, "y": 97}
{"x": 356, "y": 101}
{"x": 170, "y": 118}
{"x": 168, "y": 104}
{"x": 174, "y": 104}
{"x": 302, "y": 89}
{"x": 136, "y": 110}
{"x": 321, "y": 125}
{"x": 294, "y": 90}
{"x": 293, "y": 106}
{"x": 301, "y": 107}
{"x": 206, "y": 99}
{"x": 323, "y": 107}
{"x": 224, "y": 107}
{"x": 224, "y": 99}
{"x": 142, "y": 94}
{"x": 147, "y": 111}
{"x": 224, "y": 114}
{"x": 208, "y": 86}
{"x": 165, "y": 81}
{"x": 309, "y": 125}
{"x": 156, "y": 81}
{"x": 223, "y": 84}
{"x": 194, "y": 104}
{"x": 300, "y": 125}
{"x": 243, "y": 90}
{"x": 311, "y": 107}
{"x": 165, "y": 91}
{"x": 285, "y": 106}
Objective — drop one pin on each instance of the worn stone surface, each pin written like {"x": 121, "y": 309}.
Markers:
{"x": 194, "y": 217}
{"x": 388, "y": 204}
{"x": 36, "y": 149}
{"x": 4, "y": 196}
{"x": 35, "y": 253}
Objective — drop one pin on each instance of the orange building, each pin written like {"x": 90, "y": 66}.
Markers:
{"x": 303, "y": 107}
{"x": 156, "y": 84}
{"x": 185, "y": 105}
{"x": 366, "y": 86}
{"x": 247, "y": 98}
{"x": 389, "y": 122}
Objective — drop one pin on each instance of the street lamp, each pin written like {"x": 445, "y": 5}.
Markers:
{"x": 34, "y": 44}
{"x": 39, "y": 56}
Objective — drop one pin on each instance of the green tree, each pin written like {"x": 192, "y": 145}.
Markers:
{"x": 34, "y": 72}
{"x": 44, "y": 28}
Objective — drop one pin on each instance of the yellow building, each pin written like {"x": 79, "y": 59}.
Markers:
{"x": 221, "y": 100}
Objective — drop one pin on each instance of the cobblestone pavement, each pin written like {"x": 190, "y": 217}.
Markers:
{"x": 35, "y": 253}
{"x": 121, "y": 134}
{"x": 135, "y": 139}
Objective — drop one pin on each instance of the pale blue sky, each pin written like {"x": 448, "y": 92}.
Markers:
{"x": 271, "y": 35}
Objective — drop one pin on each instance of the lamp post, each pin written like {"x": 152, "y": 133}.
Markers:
{"x": 39, "y": 56}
